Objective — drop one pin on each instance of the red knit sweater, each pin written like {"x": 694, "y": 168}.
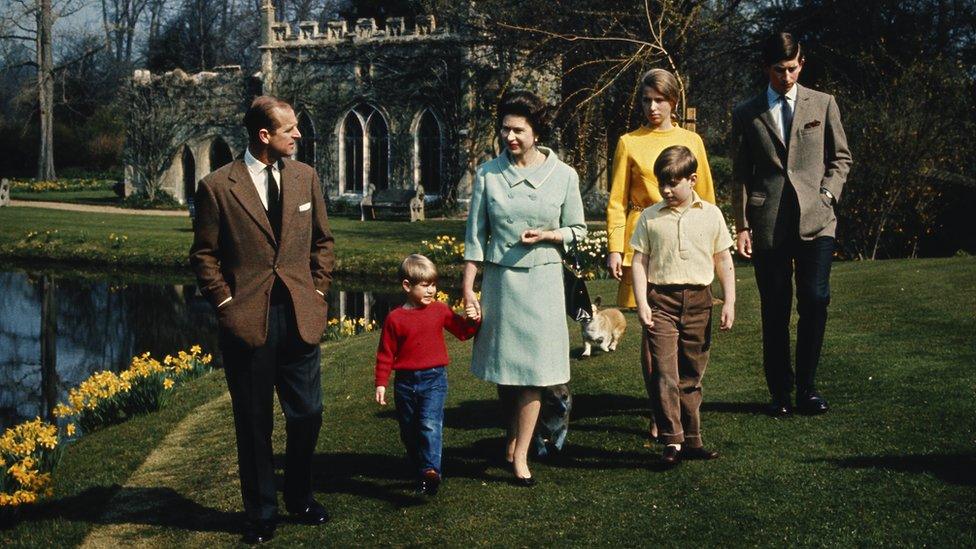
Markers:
{"x": 413, "y": 339}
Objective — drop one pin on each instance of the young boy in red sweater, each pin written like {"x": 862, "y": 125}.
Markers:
{"x": 412, "y": 343}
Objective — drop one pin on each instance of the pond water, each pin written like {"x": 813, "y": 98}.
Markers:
{"x": 55, "y": 331}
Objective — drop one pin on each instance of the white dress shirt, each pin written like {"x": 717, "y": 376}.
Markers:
{"x": 776, "y": 107}
{"x": 259, "y": 175}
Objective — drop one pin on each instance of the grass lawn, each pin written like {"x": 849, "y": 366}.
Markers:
{"x": 99, "y": 197}
{"x": 893, "y": 463}
{"x": 154, "y": 243}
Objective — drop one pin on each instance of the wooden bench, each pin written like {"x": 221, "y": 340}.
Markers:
{"x": 393, "y": 204}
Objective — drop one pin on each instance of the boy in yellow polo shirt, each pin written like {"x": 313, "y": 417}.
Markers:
{"x": 680, "y": 244}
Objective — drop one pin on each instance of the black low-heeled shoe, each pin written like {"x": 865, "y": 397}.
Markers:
{"x": 524, "y": 482}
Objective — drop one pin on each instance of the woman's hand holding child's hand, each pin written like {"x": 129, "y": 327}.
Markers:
{"x": 472, "y": 308}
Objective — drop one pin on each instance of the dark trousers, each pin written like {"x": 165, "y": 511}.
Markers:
{"x": 674, "y": 356}
{"x": 419, "y": 400}
{"x": 809, "y": 262}
{"x": 291, "y": 367}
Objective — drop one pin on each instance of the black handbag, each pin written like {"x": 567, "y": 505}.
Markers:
{"x": 578, "y": 305}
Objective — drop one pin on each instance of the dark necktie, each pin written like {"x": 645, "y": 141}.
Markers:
{"x": 787, "y": 118}
{"x": 274, "y": 204}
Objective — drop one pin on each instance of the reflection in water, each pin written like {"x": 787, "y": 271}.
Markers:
{"x": 56, "y": 332}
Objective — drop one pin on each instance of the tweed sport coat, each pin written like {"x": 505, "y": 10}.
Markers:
{"x": 234, "y": 252}
{"x": 817, "y": 157}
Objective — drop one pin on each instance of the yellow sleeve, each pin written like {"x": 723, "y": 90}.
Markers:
{"x": 619, "y": 196}
{"x": 705, "y": 187}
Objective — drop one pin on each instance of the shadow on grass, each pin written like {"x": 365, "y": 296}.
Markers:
{"x": 754, "y": 408}
{"x": 389, "y": 478}
{"x": 156, "y": 506}
{"x": 957, "y": 469}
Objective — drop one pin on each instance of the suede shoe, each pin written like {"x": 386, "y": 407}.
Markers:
{"x": 430, "y": 482}
{"x": 258, "y": 531}
{"x": 313, "y": 513}
{"x": 671, "y": 455}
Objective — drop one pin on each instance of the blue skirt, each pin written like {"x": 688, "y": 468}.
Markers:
{"x": 524, "y": 337}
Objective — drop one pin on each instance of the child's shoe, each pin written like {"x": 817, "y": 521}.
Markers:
{"x": 430, "y": 481}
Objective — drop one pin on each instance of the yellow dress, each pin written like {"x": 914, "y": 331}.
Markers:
{"x": 634, "y": 188}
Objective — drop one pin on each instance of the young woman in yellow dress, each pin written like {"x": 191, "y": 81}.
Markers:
{"x": 634, "y": 186}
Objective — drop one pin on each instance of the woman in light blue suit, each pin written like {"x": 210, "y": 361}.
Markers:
{"x": 525, "y": 212}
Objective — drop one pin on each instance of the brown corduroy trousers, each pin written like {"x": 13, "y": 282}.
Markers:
{"x": 674, "y": 355}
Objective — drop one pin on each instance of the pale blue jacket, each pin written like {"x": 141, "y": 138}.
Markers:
{"x": 504, "y": 204}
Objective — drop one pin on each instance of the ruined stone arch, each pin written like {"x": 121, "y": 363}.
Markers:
{"x": 429, "y": 143}
{"x": 188, "y": 167}
{"x": 306, "y": 145}
{"x": 363, "y": 135}
{"x": 219, "y": 153}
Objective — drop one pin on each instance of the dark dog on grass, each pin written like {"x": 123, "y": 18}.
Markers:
{"x": 553, "y": 424}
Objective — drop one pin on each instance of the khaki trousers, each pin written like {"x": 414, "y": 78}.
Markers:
{"x": 674, "y": 355}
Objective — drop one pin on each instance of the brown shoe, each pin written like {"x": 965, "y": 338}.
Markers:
{"x": 671, "y": 455}
{"x": 698, "y": 453}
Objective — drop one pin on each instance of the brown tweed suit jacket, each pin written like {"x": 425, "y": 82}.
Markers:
{"x": 234, "y": 252}
{"x": 762, "y": 165}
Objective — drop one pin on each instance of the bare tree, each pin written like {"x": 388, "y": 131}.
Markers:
{"x": 603, "y": 47}
{"x": 120, "y": 19}
{"x": 30, "y": 23}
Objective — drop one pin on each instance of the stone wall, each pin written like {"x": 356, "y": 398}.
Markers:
{"x": 399, "y": 71}
{"x": 204, "y": 120}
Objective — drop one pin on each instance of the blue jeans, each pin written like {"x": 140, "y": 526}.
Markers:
{"x": 419, "y": 399}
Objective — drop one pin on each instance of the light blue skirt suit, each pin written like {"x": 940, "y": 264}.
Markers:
{"x": 524, "y": 338}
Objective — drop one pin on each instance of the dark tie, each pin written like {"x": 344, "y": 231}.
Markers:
{"x": 787, "y": 118}
{"x": 274, "y": 204}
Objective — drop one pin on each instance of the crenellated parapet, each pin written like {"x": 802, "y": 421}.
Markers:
{"x": 308, "y": 33}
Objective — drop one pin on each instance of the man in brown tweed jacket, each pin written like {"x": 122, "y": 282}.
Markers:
{"x": 262, "y": 254}
{"x": 789, "y": 164}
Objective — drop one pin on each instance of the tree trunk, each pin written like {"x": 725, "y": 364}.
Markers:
{"x": 45, "y": 92}
{"x": 49, "y": 346}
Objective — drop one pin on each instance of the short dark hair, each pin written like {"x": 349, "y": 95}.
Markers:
{"x": 780, "y": 47}
{"x": 260, "y": 115}
{"x": 526, "y": 104}
{"x": 674, "y": 163}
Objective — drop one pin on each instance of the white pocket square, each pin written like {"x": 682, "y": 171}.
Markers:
{"x": 305, "y": 207}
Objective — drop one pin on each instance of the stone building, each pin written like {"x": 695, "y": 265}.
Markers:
{"x": 406, "y": 104}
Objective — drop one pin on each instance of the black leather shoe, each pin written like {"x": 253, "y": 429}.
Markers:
{"x": 698, "y": 453}
{"x": 313, "y": 514}
{"x": 811, "y": 403}
{"x": 671, "y": 455}
{"x": 779, "y": 408}
{"x": 258, "y": 531}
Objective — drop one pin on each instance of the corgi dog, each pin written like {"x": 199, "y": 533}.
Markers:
{"x": 553, "y": 424}
{"x": 603, "y": 330}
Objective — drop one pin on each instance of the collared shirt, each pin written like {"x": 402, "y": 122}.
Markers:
{"x": 680, "y": 245}
{"x": 776, "y": 108}
{"x": 259, "y": 175}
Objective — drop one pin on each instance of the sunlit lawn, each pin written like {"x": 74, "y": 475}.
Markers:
{"x": 893, "y": 463}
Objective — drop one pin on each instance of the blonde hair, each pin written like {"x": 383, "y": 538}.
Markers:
{"x": 417, "y": 268}
{"x": 664, "y": 83}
